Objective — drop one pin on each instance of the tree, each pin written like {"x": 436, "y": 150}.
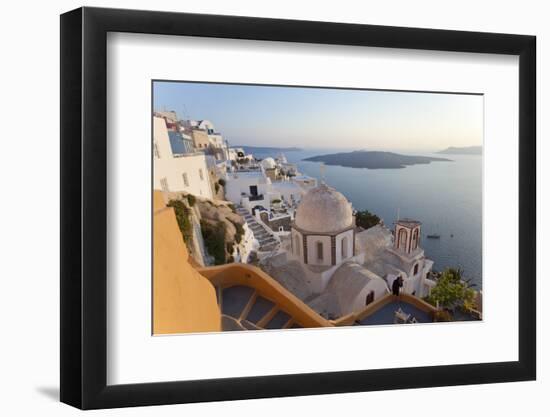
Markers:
{"x": 451, "y": 290}
{"x": 366, "y": 219}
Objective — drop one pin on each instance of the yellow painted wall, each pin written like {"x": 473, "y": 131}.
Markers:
{"x": 183, "y": 300}
{"x": 248, "y": 275}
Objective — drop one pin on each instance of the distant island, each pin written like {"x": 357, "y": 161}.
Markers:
{"x": 373, "y": 159}
{"x": 465, "y": 150}
{"x": 265, "y": 149}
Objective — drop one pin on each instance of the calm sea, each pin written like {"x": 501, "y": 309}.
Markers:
{"x": 444, "y": 196}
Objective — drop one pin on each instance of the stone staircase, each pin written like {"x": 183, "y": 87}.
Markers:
{"x": 265, "y": 237}
{"x": 244, "y": 309}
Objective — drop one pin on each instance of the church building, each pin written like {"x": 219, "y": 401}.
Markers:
{"x": 344, "y": 267}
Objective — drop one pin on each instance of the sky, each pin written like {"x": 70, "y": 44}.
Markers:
{"x": 327, "y": 118}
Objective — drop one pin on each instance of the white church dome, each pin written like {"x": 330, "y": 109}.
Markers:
{"x": 268, "y": 163}
{"x": 324, "y": 210}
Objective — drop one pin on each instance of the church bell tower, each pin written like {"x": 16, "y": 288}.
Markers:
{"x": 407, "y": 236}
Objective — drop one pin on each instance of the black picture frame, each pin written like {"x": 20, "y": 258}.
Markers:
{"x": 84, "y": 207}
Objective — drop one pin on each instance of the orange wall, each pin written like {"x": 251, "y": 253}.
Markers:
{"x": 241, "y": 274}
{"x": 183, "y": 300}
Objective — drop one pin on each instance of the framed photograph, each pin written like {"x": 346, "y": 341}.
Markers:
{"x": 258, "y": 208}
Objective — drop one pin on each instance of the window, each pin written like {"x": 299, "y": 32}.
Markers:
{"x": 185, "y": 179}
{"x": 415, "y": 269}
{"x": 344, "y": 244}
{"x": 281, "y": 229}
{"x": 164, "y": 185}
{"x": 201, "y": 174}
{"x": 370, "y": 298}
{"x": 156, "y": 150}
{"x": 320, "y": 251}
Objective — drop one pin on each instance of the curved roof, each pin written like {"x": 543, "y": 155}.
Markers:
{"x": 350, "y": 278}
{"x": 344, "y": 287}
{"x": 324, "y": 210}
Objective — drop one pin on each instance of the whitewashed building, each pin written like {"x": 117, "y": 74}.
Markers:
{"x": 249, "y": 187}
{"x": 178, "y": 172}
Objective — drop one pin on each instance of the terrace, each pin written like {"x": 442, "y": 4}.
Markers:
{"x": 389, "y": 313}
{"x": 391, "y": 309}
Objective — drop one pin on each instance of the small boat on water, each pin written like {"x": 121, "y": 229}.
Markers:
{"x": 434, "y": 236}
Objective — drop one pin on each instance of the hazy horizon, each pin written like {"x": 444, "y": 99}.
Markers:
{"x": 331, "y": 119}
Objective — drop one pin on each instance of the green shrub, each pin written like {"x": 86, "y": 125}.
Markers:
{"x": 182, "y": 217}
{"x": 275, "y": 201}
{"x": 216, "y": 187}
{"x": 451, "y": 291}
{"x": 214, "y": 240}
{"x": 191, "y": 200}
{"x": 366, "y": 219}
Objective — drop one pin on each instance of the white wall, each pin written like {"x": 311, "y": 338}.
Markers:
{"x": 312, "y": 256}
{"x": 297, "y": 251}
{"x": 29, "y": 359}
{"x": 376, "y": 285}
{"x": 161, "y": 139}
{"x": 173, "y": 169}
{"x": 237, "y": 183}
{"x": 287, "y": 189}
{"x": 170, "y": 170}
{"x": 340, "y": 242}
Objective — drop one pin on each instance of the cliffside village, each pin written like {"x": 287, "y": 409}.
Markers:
{"x": 235, "y": 208}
